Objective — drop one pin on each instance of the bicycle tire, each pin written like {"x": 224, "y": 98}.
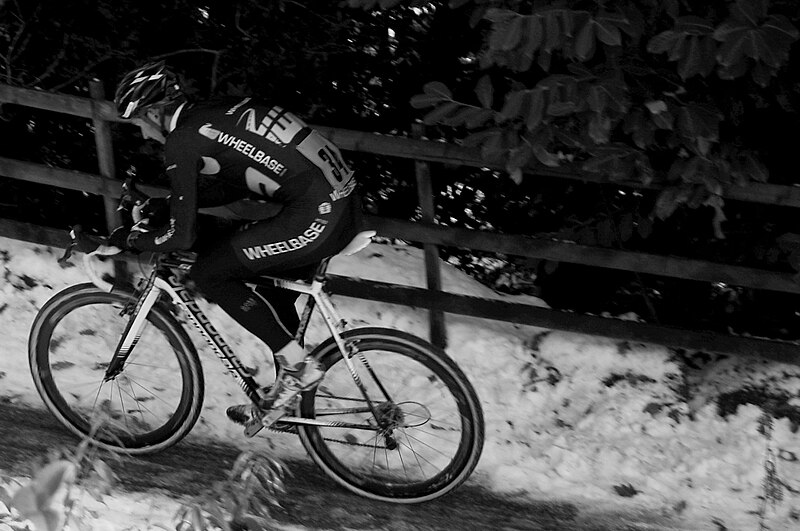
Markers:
{"x": 91, "y": 310}
{"x": 437, "y": 366}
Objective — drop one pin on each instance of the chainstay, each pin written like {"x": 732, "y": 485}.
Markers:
{"x": 351, "y": 443}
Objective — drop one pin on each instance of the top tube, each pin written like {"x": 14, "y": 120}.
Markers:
{"x": 184, "y": 260}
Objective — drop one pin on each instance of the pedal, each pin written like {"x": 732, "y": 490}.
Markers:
{"x": 252, "y": 429}
{"x": 241, "y": 414}
{"x": 254, "y": 425}
{"x": 271, "y": 419}
{"x": 246, "y": 416}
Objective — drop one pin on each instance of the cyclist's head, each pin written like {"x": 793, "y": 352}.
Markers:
{"x": 148, "y": 86}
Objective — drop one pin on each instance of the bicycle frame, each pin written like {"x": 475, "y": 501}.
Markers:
{"x": 166, "y": 278}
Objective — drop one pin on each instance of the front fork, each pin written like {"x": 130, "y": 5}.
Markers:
{"x": 147, "y": 298}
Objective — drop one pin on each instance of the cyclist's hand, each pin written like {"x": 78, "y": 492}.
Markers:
{"x": 154, "y": 211}
{"x": 123, "y": 237}
{"x": 131, "y": 196}
{"x": 119, "y": 238}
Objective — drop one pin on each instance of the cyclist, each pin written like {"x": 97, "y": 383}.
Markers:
{"x": 220, "y": 152}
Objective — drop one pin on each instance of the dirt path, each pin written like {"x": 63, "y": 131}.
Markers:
{"x": 312, "y": 501}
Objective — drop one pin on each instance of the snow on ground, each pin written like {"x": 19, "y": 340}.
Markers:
{"x": 569, "y": 417}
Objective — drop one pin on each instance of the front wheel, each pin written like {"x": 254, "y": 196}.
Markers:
{"x": 412, "y": 434}
{"x": 154, "y": 400}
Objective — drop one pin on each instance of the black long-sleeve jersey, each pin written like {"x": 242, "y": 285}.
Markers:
{"x": 222, "y": 152}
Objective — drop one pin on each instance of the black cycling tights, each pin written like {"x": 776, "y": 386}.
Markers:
{"x": 267, "y": 312}
{"x": 291, "y": 244}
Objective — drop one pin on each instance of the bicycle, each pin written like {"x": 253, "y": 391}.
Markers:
{"x": 409, "y": 436}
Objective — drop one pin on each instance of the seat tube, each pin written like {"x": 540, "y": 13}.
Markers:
{"x": 332, "y": 320}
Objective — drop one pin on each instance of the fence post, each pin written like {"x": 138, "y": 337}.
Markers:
{"x": 105, "y": 161}
{"x": 433, "y": 273}
{"x": 105, "y": 152}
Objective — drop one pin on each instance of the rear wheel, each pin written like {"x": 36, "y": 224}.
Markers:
{"x": 150, "y": 405}
{"x": 417, "y": 436}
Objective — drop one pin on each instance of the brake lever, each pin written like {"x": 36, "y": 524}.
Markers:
{"x": 74, "y": 234}
{"x": 67, "y": 254}
{"x": 86, "y": 244}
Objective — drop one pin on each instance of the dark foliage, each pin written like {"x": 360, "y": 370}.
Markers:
{"x": 629, "y": 93}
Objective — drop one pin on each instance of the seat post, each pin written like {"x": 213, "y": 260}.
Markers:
{"x": 322, "y": 268}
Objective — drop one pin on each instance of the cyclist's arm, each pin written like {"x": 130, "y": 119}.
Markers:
{"x": 179, "y": 233}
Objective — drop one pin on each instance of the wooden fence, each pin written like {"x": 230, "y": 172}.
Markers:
{"x": 432, "y": 236}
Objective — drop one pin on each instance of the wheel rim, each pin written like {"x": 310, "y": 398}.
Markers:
{"x": 143, "y": 405}
{"x": 421, "y": 431}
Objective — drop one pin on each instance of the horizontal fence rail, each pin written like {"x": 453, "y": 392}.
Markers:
{"x": 670, "y": 266}
{"x": 524, "y": 314}
{"x": 402, "y": 147}
{"x": 430, "y": 234}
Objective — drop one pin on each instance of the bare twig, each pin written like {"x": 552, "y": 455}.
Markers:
{"x": 305, "y": 7}
{"x": 214, "y": 67}
{"x": 236, "y": 18}
{"x": 52, "y": 66}
{"x": 83, "y": 73}
{"x": 215, "y": 53}
{"x": 186, "y": 50}
{"x": 16, "y": 13}
{"x": 15, "y": 48}
{"x": 11, "y": 48}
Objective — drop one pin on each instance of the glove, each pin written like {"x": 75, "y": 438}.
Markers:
{"x": 154, "y": 211}
{"x": 123, "y": 238}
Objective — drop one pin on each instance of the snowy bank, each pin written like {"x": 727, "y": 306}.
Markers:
{"x": 569, "y": 417}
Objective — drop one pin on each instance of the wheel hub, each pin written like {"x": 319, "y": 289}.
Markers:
{"x": 391, "y": 416}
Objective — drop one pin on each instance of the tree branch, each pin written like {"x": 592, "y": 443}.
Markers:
{"x": 186, "y": 50}
{"x": 12, "y": 45}
{"x": 14, "y": 48}
{"x": 83, "y": 73}
{"x": 305, "y": 8}
{"x": 236, "y": 19}
{"x": 214, "y": 65}
{"x": 52, "y": 66}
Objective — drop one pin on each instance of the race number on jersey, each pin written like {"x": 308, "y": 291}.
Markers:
{"x": 327, "y": 158}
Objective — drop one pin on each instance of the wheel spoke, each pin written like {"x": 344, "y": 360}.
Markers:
{"x": 416, "y": 456}
{"x": 424, "y": 443}
{"x": 418, "y": 451}
{"x": 137, "y": 402}
{"x": 148, "y": 406}
{"x": 93, "y": 383}
{"x": 122, "y": 404}
{"x": 145, "y": 389}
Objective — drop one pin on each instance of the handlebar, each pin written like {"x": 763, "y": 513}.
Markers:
{"x": 130, "y": 198}
{"x": 92, "y": 246}
{"x": 87, "y": 243}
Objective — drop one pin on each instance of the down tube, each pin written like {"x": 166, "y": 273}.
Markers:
{"x": 183, "y": 298}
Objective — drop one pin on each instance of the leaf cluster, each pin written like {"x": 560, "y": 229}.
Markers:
{"x": 601, "y": 87}
{"x": 243, "y": 501}
{"x": 51, "y": 500}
